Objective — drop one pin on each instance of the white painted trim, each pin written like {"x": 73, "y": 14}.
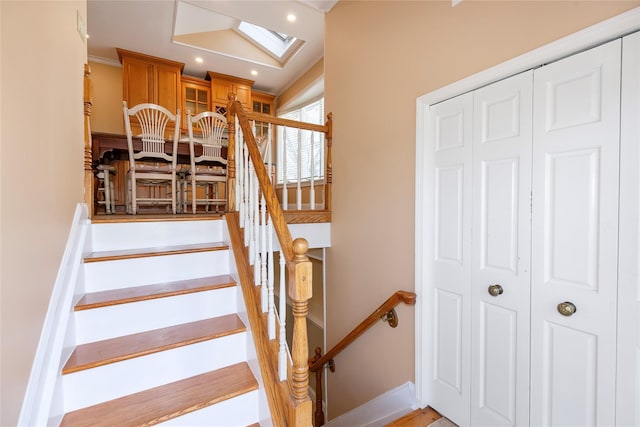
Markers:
{"x": 599, "y": 33}
{"x": 42, "y": 381}
{"x": 105, "y": 61}
{"x": 381, "y": 409}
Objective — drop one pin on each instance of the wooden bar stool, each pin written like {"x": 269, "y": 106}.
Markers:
{"x": 104, "y": 174}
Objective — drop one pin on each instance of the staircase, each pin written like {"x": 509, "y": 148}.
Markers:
{"x": 158, "y": 333}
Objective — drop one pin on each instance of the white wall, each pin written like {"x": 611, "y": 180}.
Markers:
{"x": 41, "y": 172}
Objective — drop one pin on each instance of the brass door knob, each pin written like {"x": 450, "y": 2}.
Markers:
{"x": 495, "y": 290}
{"x": 567, "y": 308}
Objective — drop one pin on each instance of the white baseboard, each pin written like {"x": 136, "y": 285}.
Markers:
{"x": 380, "y": 410}
{"x": 39, "y": 395}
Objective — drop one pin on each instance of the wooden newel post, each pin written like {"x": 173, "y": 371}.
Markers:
{"x": 231, "y": 154}
{"x": 300, "y": 291}
{"x": 88, "y": 169}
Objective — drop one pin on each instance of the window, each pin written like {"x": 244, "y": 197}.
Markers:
{"x": 278, "y": 45}
{"x": 302, "y": 146}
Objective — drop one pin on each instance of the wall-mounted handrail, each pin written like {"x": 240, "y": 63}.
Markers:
{"x": 385, "y": 312}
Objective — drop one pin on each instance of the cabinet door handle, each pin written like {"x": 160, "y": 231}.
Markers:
{"x": 567, "y": 308}
{"x": 495, "y": 290}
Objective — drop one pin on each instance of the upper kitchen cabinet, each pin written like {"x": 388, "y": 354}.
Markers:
{"x": 222, "y": 85}
{"x": 150, "y": 79}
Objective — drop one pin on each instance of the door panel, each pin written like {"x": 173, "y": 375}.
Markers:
{"x": 628, "y": 387}
{"x": 571, "y": 237}
{"x": 448, "y": 344}
{"x": 448, "y": 260}
{"x": 569, "y": 393}
{"x": 574, "y": 240}
{"x": 449, "y": 213}
{"x": 501, "y": 252}
{"x": 497, "y": 365}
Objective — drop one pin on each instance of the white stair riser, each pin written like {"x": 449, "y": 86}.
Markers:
{"x": 118, "y": 274}
{"x": 125, "y": 319}
{"x": 240, "y": 411}
{"x": 96, "y": 385}
{"x": 118, "y": 236}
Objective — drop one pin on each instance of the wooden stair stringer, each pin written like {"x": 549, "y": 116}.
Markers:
{"x": 279, "y": 402}
{"x": 168, "y": 401}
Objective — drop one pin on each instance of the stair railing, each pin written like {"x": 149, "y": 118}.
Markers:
{"x": 296, "y": 184}
{"x": 253, "y": 206}
{"x": 386, "y": 312}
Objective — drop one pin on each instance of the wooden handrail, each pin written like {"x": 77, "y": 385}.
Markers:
{"x": 395, "y": 299}
{"x": 385, "y": 312}
{"x": 298, "y": 265}
{"x": 265, "y": 118}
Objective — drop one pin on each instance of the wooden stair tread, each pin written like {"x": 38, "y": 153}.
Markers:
{"x": 167, "y": 401}
{"x": 156, "y": 251}
{"x": 418, "y": 418}
{"x": 113, "y": 350}
{"x": 147, "y": 292}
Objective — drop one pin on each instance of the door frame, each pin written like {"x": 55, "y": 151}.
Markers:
{"x": 594, "y": 35}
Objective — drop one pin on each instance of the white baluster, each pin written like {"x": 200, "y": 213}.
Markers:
{"x": 250, "y": 224}
{"x": 282, "y": 315}
{"x": 263, "y": 253}
{"x": 285, "y": 193}
{"x": 240, "y": 182}
{"x": 271, "y": 317}
{"x": 255, "y": 209}
{"x": 263, "y": 239}
{"x": 312, "y": 191}
{"x": 299, "y": 169}
{"x": 247, "y": 196}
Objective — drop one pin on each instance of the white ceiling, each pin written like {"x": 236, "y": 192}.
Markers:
{"x": 148, "y": 26}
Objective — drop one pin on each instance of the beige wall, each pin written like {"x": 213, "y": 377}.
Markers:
{"x": 106, "y": 114}
{"x": 41, "y": 172}
{"x": 379, "y": 57}
{"x": 288, "y": 98}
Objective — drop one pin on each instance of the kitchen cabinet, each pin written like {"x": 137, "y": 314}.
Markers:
{"x": 262, "y": 103}
{"x": 147, "y": 78}
{"x": 196, "y": 98}
{"x": 222, "y": 85}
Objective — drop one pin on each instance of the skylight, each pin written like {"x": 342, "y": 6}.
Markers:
{"x": 277, "y": 44}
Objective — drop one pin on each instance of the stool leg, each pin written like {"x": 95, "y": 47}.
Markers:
{"x": 107, "y": 192}
{"x": 113, "y": 197}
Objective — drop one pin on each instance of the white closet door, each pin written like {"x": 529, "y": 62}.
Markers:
{"x": 575, "y": 239}
{"x": 628, "y": 395}
{"x": 501, "y": 252}
{"x": 448, "y": 257}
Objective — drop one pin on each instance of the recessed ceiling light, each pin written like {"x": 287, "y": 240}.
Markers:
{"x": 291, "y": 17}
{"x": 199, "y": 60}
{"x": 254, "y": 73}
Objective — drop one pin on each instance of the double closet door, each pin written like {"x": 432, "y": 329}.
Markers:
{"x": 523, "y": 229}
